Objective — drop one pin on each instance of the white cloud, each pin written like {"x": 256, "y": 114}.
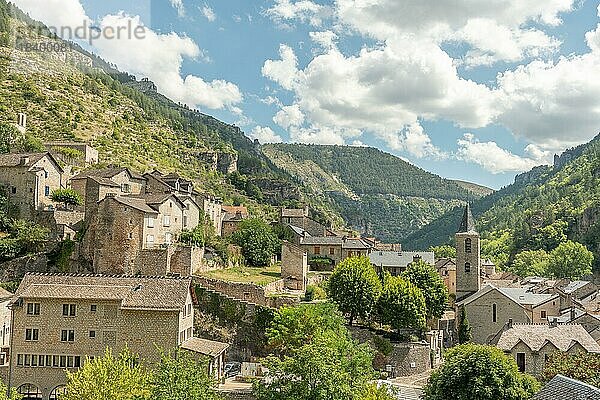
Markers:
{"x": 178, "y": 4}
{"x": 492, "y": 157}
{"x": 327, "y": 39}
{"x": 55, "y": 13}
{"x": 208, "y": 13}
{"x": 282, "y": 71}
{"x": 265, "y": 135}
{"x": 303, "y": 10}
{"x": 160, "y": 57}
{"x": 289, "y": 116}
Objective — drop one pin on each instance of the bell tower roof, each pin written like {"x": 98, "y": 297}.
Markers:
{"x": 468, "y": 222}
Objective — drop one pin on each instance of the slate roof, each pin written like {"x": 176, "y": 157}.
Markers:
{"x": 355, "y": 243}
{"x": 400, "y": 259}
{"x": 561, "y": 387}
{"x": 134, "y": 292}
{"x": 204, "y": 346}
{"x": 135, "y": 203}
{"x": 106, "y": 173}
{"x": 536, "y": 336}
{"x": 449, "y": 263}
{"x": 468, "y": 222}
{"x": 5, "y": 294}
{"x": 524, "y": 296}
{"x": 298, "y": 231}
{"x": 575, "y": 285}
{"x": 14, "y": 159}
{"x": 322, "y": 240}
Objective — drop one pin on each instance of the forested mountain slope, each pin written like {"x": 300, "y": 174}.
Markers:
{"x": 542, "y": 208}
{"x": 376, "y": 193}
{"x": 71, "y": 94}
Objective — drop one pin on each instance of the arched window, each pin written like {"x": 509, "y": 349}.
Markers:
{"x": 57, "y": 392}
{"x": 467, "y": 267}
{"x": 494, "y": 313}
{"x": 30, "y": 392}
{"x": 468, "y": 245}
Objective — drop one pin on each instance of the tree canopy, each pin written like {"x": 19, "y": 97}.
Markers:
{"x": 464, "y": 328}
{"x": 355, "y": 287}
{"x": 530, "y": 263}
{"x": 582, "y": 366}
{"x": 68, "y": 197}
{"x": 443, "y": 251}
{"x": 402, "y": 305}
{"x": 570, "y": 260}
{"x": 258, "y": 242}
{"x": 426, "y": 278}
{"x": 479, "y": 372}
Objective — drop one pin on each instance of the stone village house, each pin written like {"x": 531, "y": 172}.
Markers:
{"x": 62, "y": 320}
{"x": 29, "y": 180}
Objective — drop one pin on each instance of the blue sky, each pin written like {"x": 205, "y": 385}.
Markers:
{"x": 472, "y": 90}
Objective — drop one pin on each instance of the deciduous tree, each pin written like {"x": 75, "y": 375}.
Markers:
{"x": 109, "y": 377}
{"x": 570, "y": 260}
{"x": 402, "y": 305}
{"x": 426, "y": 278}
{"x": 355, "y": 287}
{"x": 258, "y": 242}
{"x": 479, "y": 372}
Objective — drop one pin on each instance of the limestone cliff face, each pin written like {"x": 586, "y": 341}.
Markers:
{"x": 225, "y": 163}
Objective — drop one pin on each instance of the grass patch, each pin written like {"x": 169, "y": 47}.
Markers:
{"x": 257, "y": 276}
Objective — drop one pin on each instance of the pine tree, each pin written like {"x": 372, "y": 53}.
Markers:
{"x": 464, "y": 328}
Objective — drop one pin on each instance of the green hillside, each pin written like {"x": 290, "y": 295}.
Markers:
{"x": 376, "y": 193}
{"x": 541, "y": 209}
{"x": 74, "y": 95}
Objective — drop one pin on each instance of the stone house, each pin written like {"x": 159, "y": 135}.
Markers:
{"x": 95, "y": 185}
{"x": 5, "y": 326}
{"x": 531, "y": 344}
{"x": 29, "y": 180}
{"x": 133, "y": 235}
{"x": 333, "y": 248}
{"x": 213, "y": 209}
{"x": 60, "y": 320}
{"x": 576, "y": 315}
{"x": 396, "y": 262}
{"x": 491, "y": 308}
{"x": 294, "y": 266}
{"x": 446, "y": 267}
{"x": 579, "y": 289}
{"x": 300, "y": 217}
{"x": 234, "y": 215}
{"x": 89, "y": 154}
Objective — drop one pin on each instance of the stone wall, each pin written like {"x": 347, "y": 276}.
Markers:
{"x": 261, "y": 295}
{"x": 294, "y": 266}
{"x": 187, "y": 260}
{"x": 15, "y": 269}
{"x": 405, "y": 359}
{"x": 239, "y": 395}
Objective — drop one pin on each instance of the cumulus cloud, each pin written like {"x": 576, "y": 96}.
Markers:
{"x": 208, "y": 13}
{"x": 282, "y": 71}
{"x": 55, "y": 13}
{"x": 156, "y": 56}
{"x": 492, "y": 157}
{"x": 284, "y": 11}
{"x": 160, "y": 57}
{"x": 265, "y": 135}
{"x": 325, "y": 39}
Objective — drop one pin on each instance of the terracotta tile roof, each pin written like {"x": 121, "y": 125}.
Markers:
{"x": 235, "y": 209}
{"x": 561, "y": 387}
{"x": 536, "y": 336}
{"x": 204, "y": 346}
{"x": 134, "y": 292}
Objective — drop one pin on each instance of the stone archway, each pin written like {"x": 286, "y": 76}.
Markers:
{"x": 57, "y": 392}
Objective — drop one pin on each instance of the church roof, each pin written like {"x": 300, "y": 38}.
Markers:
{"x": 468, "y": 222}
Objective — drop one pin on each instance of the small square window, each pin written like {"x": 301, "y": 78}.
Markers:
{"x": 67, "y": 335}
{"x": 92, "y": 334}
{"x": 94, "y": 308}
{"x": 33, "y": 308}
{"x": 32, "y": 335}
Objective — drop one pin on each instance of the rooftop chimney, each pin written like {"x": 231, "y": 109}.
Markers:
{"x": 24, "y": 161}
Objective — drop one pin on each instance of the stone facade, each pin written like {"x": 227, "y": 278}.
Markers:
{"x": 301, "y": 219}
{"x": 29, "y": 180}
{"x": 94, "y": 321}
{"x": 213, "y": 210}
{"x": 294, "y": 266}
{"x": 468, "y": 258}
{"x": 246, "y": 292}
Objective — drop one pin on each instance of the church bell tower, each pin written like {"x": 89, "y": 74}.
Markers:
{"x": 468, "y": 257}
